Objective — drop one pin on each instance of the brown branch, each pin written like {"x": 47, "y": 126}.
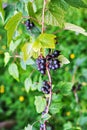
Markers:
{"x": 48, "y": 99}
{"x": 43, "y": 12}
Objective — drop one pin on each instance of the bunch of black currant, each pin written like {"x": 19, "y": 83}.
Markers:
{"x": 53, "y": 62}
{"x": 29, "y": 25}
{"x": 41, "y": 63}
{"x": 76, "y": 87}
{"x": 46, "y": 87}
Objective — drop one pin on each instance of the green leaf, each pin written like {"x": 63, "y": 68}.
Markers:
{"x": 27, "y": 84}
{"x": 27, "y": 62}
{"x": 44, "y": 41}
{"x": 65, "y": 87}
{"x": 40, "y": 103}
{"x": 12, "y": 25}
{"x": 54, "y": 15}
{"x": 63, "y": 60}
{"x": 83, "y": 120}
{"x": 29, "y": 127}
{"x": 15, "y": 44}
{"x": 2, "y": 13}
{"x": 61, "y": 3}
{"x": 31, "y": 12}
{"x": 6, "y": 58}
{"x": 13, "y": 71}
{"x": 75, "y": 28}
{"x": 68, "y": 126}
{"x": 56, "y": 97}
{"x": 77, "y": 3}
{"x": 46, "y": 117}
{"x": 55, "y": 107}
{"x": 27, "y": 51}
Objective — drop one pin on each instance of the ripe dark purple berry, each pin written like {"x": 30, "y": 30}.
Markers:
{"x": 42, "y": 71}
{"x": 55, "y": 61}
{"x": 29, "y": 25}
{"x": 56, "y": 53}
{"x": 43, "y": 61}
{"x": 49, "y": 57}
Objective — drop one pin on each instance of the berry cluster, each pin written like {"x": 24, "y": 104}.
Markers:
{"x": 76, "y": 87}
{"x": 46, "y": 87}
{"x": 41, "y": 63}
{"x": 29, "y": 25}
{"x": 53, "y": 62}
{"x": 50, "y": 61}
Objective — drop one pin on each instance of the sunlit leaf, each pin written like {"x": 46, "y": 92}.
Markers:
{"x": 63, "y": 60}
{"x": 40, "y": 103}
{"x": 6, "y": 58}
{"x": 44, "y": 41}
{"x": 12, "y": 25}
{"x": 27, "y": 84}
{"x": 75, "y": 28}
{"x": 29, "y": 127}
{"x": 13, "y": 71}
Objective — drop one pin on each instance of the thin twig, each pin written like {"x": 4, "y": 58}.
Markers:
{"x": 43, "y": 12}
{"x": 16, "y": 56}
{"x": 48, "y": 99}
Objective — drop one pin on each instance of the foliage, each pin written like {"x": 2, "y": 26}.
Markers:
{"x": 21, "y": 47}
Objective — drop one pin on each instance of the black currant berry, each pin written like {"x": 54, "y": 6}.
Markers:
{"x": 56, "y": 53}
{"x": 43, "y": 61}
{"x": 42, "y": 126}
{"x": 29, "y": 24}
{"x": 49, "y": 57}
{"x": 42, "y": 71}
{"x": 79, "y": 87}
{"x": 55, "y": 61}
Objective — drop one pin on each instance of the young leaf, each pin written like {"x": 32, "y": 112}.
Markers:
{"x": 6, "y": 58}
{"x": 29, "y": 127}
{"x": 77, "y": 3}
{"x": 27, "y": 84}
{"x": 73, "y": 27}
{"x": 40, "y": 103}
{"x": 63, "y": 60}
{"x": 44, "y": 41}
{"x": 13, "y": 70}
{"x": 11, "y": 25}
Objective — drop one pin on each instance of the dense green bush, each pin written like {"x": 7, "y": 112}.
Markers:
{"x": 17, "y": 97}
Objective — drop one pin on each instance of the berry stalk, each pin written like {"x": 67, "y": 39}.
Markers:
{"x": 48, "y": 100}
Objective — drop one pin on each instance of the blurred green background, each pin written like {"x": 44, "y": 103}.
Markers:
{"x": 17, "y": 106}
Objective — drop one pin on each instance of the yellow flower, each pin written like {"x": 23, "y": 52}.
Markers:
{"x": 68, "y": 113}
{"x": 2, "y": 89}
{"x": 72, "y": 56}
{"x": 21, "y": 98}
